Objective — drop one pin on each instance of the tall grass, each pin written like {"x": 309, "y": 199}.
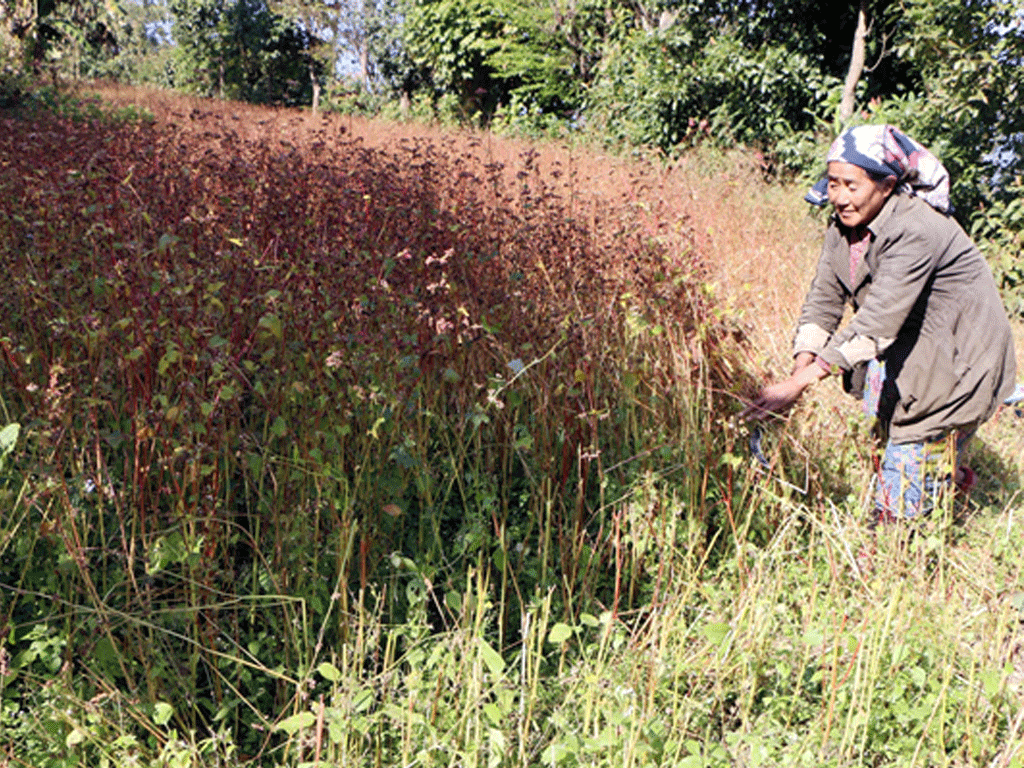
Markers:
{"x": 415, "y": 451}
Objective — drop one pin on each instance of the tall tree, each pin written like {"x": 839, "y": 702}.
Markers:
{"x": 971, "y": 101}
{"x": 47, "y": 31}
{"x": 364, "y": 31}
{"x": 450, "y": 41}
{"x": 313, "y": 18}
{"x": 538, "y": 57}
{"x": 21, "y": 33}
{"x": 240, "y": 49}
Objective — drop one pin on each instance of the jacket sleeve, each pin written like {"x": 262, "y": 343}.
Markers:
{"x": 905, "y": 267}
{"x": 824, "y": 304}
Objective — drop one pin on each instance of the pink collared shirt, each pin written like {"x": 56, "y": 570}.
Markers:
{"x": 860, "y": 239}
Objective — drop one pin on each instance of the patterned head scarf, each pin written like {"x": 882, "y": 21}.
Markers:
{"x": 884, "y": 151}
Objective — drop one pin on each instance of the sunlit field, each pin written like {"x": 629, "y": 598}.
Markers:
{"x": 341, "y": 443}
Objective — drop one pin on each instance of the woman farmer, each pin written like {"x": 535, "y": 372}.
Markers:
{"x": 929, "y": 345}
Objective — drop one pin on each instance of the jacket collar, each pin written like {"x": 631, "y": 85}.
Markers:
{"x": 877, "y": 226}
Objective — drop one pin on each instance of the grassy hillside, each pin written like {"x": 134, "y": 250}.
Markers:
{"x": 341, "y": 443}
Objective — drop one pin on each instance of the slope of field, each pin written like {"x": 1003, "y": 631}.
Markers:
{"x": 352, "y": 444}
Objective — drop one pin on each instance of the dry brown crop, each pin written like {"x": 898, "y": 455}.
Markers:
{"x": 199, "y": 302}
{"x": 270, "y": 356}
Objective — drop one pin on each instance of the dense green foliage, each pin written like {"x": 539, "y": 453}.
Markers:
{"x": 757, "y": 72}
{"x": 240, "y": 50}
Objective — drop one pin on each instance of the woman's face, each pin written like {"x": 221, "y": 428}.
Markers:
{"x": 856, "y": 197}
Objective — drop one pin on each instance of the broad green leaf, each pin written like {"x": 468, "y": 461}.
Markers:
{"x": 491, "y": 657}
{"x": 559, "y": 633}
{"x": 9, "y": 438}
{"x": 493, "y": 714}
{"x": 715, "y": 632}
{"x": 336, "y": 733}
{"x": 272, "y": 323}
{"x": 991, "y": 681}
{"x": 918, "y": 675}
{"x": 162, "y": 713}
{"x": 813, "y": 637}
{"x": 74, "y": 738}
{"x": 362, "y": 700}
{"x": 329, "y": 672}
{"x": 295, "y": 723}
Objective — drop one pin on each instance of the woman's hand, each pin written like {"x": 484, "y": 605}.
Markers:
{"x": 801, "y": 361}
{"x": 779, "y": 397}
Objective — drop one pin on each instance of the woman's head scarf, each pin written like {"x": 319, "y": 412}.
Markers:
{"x": 884, "y": 151}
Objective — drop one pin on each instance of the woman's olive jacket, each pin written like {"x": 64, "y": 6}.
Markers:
{"x": 925, "y": 302}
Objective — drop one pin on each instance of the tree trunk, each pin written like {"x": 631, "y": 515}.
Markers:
{"x": 364, "y": 64}
{"x": 316, "y": 86}
{"x": 856, "y": 63}
{"x": 22, "y": 17}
